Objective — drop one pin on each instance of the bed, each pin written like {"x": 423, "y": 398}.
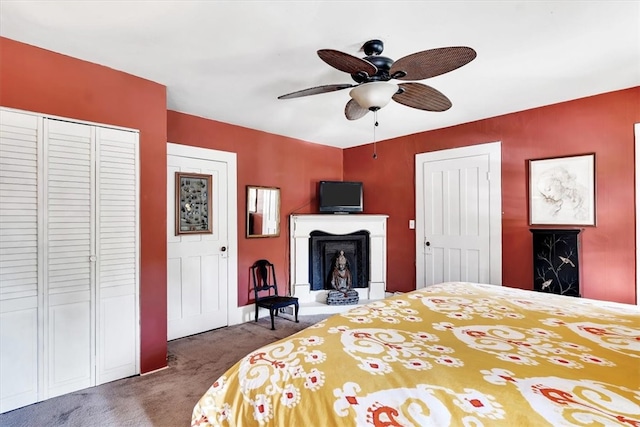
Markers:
{"x": 451, "y": 354}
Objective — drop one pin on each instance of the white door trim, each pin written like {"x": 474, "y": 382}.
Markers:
{"x": 493, "y": 149}
{"x": 234, "y": 316}
{"x": 637, "y": 163}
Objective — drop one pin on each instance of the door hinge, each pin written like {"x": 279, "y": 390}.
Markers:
{"x": 488, "y": 176}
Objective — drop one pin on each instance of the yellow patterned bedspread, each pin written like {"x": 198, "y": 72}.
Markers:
{"x": 456, "y": 354}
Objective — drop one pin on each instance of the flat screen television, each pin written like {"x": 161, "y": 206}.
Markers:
{"x": 340, "y": 197}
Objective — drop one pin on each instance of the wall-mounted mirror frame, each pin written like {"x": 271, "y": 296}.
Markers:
{"x": 263, "y": 211}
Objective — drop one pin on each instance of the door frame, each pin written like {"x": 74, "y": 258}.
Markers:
{"x": 494, "y": 151}
{"x": 636, "y": 128}
{"x": 233, "y": 316}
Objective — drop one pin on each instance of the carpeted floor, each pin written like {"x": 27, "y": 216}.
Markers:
{"x": 163, "y": 398}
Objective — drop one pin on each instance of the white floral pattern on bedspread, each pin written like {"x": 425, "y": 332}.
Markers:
{"x": 451, "y": 354}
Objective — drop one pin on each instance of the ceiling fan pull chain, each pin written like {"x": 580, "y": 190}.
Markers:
{"x": 375, "y": 125}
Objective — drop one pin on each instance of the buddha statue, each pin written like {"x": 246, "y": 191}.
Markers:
{"x": 341, "y": 282}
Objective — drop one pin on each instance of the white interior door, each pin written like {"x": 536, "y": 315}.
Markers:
{"x": 458, "y": 217}
{"x": 69, "y": 265}
{"x": 117, "y": 254}
{"x": 198, "y": 264}
{"x": 20, "y": 365}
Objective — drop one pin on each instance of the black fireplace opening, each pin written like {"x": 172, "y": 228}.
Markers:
{"x": 323, "y": 251}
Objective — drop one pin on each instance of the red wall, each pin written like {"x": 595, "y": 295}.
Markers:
{"x": 37, "y": 80}
{"x": 270, "y": 161}
{"x": 602, "y": 124}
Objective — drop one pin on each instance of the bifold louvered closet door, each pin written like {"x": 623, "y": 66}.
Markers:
{"x": 69, "y": 251}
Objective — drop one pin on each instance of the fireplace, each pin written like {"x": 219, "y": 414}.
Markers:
{"x": 324, "y": 249}
{"x": 359, "y": 235}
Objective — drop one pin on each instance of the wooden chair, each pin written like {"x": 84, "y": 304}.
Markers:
{"x": 264, "y": 281}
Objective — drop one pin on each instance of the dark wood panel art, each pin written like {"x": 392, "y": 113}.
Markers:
{"x": 556, "y": 261}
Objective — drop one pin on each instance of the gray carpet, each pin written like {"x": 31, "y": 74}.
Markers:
{"x": 164, "y": 398}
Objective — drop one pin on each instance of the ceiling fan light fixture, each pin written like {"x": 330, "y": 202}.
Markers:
{"x": 373, "y": 95}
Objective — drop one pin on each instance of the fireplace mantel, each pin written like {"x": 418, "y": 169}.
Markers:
{"x": 301, "y": 227}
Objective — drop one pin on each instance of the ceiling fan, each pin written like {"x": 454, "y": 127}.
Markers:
{"x": 372, "y": 74}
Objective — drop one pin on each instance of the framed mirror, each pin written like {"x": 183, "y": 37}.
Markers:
{"x": 263, "y": 211}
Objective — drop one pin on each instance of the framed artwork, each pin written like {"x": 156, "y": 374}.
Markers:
{"x": 562, "y": 190}
{"x": 193, "y": 203}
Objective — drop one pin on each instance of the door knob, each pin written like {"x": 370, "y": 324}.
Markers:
{"x": 224, "y": 248}
{"x": 428, "y": 243}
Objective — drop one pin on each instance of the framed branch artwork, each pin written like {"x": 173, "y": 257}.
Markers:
{"x": 193, "y": 203}
{"x": 562, "y": 191}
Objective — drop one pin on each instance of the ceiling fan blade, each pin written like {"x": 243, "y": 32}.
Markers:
{"x": 347, "y": 63}
{"x": 353, "y": 110}
{"x": 316, "y": 90}
{"x": 422, "y": 97}
{"x": 432, "y": 62}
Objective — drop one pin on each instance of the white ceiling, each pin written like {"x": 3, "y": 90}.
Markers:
{"x": 230, "y": 60}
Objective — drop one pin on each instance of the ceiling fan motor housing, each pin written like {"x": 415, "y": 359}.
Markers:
{"x": 382, "y": 63}
{"x": 373, "y": 49}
